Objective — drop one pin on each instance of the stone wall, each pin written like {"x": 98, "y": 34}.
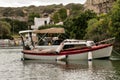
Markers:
{"x": 99, "y": 6}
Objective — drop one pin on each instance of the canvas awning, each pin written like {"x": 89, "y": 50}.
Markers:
{"x": 50, "y": 30}
{"x": 25, "y": 31}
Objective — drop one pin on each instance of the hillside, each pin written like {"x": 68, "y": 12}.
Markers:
{"x": 23, "y": 12}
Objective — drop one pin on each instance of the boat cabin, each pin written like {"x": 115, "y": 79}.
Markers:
{"x": 72, "y": 43}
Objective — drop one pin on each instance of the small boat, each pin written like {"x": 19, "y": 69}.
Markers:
{"x": 68, "y": 49}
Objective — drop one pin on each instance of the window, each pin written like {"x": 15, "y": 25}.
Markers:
{"x": 45, "y": 22}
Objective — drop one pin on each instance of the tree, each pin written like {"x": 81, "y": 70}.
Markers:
{"x": 98, "y": 29}
{"x": 55, "y": 17}
{"x": 70, "y": 28}
{"x": 19, "y": 12}
{"x": 31, "y": 18}
{"x": 4, "y": 29}
{"x": 76, "y": 26}
{"x": 7, "y": 12}
{"x": 16, "y": 25}
{"x": 115, "y": 18}
{"x": 59, "y": 15}
{"x": 115, "y": 23}
{"x": 62, "y": 14}
{"x": 91, "y": 30}
{"x": 75, "y": 9}
{"x": 48, "y": 10}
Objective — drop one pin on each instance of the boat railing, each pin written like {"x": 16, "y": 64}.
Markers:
{"x": 110, "y": 41}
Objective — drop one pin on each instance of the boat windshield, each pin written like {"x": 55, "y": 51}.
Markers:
{"x": 74, "y": 46}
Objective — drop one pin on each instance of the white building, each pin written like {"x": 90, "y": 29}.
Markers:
{"x": 40, "y": 22}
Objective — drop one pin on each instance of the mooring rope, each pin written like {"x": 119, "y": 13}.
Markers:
{"x": 116, "y": 52}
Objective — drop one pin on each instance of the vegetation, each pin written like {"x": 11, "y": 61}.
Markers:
{"x": 12, "y": 12}
{"x": 55, "y": 17}
{"x": 60, "y": 15}
{"x": 115, "y": 23}
{"x": 106, "y": 26}
{"x": 76, "y": 26}
{"x": 4, "y": 30}
{"x": 31, "y": 18}
{"x": 98, "y": 29}
{"x": 75, "y": 9}
{"x": 16, "y": 25}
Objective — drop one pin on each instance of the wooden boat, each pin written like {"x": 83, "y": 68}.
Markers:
{"x": 70, "y": 49}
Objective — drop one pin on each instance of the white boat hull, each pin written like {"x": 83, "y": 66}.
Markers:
{"x": 100, "y": 53}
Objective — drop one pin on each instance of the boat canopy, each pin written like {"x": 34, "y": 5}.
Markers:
{"x": 49, "y": 31}
{"x": 26, "y": 31}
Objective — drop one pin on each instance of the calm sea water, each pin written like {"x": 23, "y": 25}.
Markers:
{"x": 13, "y": 68}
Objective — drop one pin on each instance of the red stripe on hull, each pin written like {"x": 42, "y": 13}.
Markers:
{"x": 68, "y": 52}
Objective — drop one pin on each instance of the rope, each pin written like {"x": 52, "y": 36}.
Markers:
{"x": 116, "y": 52}
{"x": 106, "y": 40}
{"x": 115, "y": 57}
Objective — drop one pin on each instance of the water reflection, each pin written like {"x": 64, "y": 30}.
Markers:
{"x": 13, "y": 68}
{"x": 71, "y": 70}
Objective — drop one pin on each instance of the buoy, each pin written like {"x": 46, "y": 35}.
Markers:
{"x": 89, "y": 56}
